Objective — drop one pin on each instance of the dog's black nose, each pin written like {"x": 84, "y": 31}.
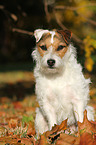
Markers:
{"x": 51, "y": 62}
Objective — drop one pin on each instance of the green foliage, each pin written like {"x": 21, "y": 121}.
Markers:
{"x": 90, "y": 46}
{"x": 79, "y": 16}
{"x": 26, "y": 119}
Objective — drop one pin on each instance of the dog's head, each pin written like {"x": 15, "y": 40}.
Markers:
{"x": 51, "y": 49}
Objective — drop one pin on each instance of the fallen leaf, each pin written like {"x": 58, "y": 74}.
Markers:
{"x": 87, "y": 139}
{"x": 2, "y": 114}
{"x": 8, "y": 139}
{"x": 87, "y": 131}
{"x": 26, "y": 141}
{"x": 66, "y": 139}
{"x": 13, "y": 123}
{"x": 43, "y": 140}
{"x": 4, "y": 100}
{"x": 17, "y": 105}
{"x": 86, "y": 126}
{"x": 31, "y": 129}
{"x": 56, "y": 129}
{"x": 63, "y": 125}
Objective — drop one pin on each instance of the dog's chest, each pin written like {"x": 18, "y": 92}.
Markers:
{"x": 55, "y": 91}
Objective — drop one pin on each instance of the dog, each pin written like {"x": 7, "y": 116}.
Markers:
{"x": 61, "y": 89}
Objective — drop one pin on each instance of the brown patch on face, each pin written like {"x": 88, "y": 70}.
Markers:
{"x": 59, "y": 46}
{"x": 59, "y": 42}
{"x": 62, "y": 52}
{"x": 42, "y": 52}
{"x": 45, "y": 42}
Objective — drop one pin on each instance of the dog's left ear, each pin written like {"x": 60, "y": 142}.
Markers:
{"x": 66, "y": 34}
{"x": 38, "y": 34}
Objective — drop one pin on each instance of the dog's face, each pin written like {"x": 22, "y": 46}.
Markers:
{"x": 51, "y": 48}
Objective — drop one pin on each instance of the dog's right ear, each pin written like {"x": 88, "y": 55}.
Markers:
{"x": 66, "y": 34}
{"x": 38, "y": 34}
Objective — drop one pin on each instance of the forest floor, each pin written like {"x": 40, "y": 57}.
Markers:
{"x": 17, "y": 113}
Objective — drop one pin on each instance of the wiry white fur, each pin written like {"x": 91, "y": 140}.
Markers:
{"x": 52, "y": 36}
{"x": 62, "y": 92}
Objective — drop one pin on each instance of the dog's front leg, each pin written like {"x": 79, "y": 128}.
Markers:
{"x": 79, "y": 110}
{"x": 49, "y": 113}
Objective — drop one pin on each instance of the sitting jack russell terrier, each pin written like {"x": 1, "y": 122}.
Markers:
{"x": 61, "y": 89}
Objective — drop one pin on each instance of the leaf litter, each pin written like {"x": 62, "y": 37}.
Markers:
{"x": 17, "y": 125}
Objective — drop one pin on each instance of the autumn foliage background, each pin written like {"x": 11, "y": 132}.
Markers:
{"x": 18, "y": 20}
{"x": 79, "y": 16}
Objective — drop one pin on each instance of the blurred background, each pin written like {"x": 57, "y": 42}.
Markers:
{"x": 19, "y": 19}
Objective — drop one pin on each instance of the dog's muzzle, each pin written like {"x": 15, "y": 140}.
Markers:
{"x": 51, "y": 63}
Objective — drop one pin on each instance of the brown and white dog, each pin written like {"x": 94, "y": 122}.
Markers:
{"x": 61, "y": 89}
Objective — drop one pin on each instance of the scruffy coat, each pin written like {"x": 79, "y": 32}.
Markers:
{"x": 62, "y": 92}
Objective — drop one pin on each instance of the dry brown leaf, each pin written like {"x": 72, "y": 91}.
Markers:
{"x": 31, "y": 129}
{"x": 57, "y": 129}
{"x": 2, "y": 114}
{"x": 63, "y": 125}
{"x": 87, "y": 139}
{"x": 26, "y": 141}
{"x": 8, "y": 139}
{"x": 61, "y": 142}
{"x": 87, "y": 130}
{"x": 50, "y": 136}
{"x": 86, "y": 126}
{"x": 13, "y": 123}
{"x": 4, "y": 100}
{"x": 66, "y": 139}
{"x": 43, "y": 140}
{"x": 17, "y": 105}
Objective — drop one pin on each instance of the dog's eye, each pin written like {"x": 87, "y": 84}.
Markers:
{"x": 60, "y": 47}
{"x": 43, "y": 47}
